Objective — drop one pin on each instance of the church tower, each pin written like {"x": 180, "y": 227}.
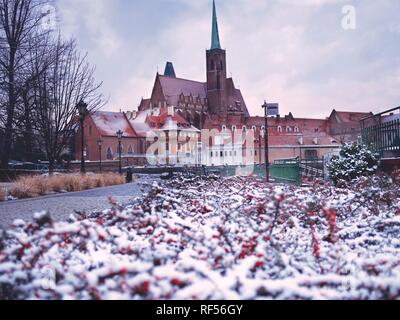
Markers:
{"x": 216, "y": 71}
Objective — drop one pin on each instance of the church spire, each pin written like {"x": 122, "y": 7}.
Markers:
{"x": 215, "y": 43}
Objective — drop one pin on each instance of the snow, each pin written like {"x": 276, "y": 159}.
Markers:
{"x": 212, "y": 238}
{"x": 110, "y": 122}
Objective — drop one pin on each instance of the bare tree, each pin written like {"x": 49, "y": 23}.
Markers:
{"x": 68, "y": 80}
{"x": 19, "y": 21}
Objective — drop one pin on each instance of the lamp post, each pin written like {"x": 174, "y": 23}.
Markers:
{"x": 265, "y": 107}
{"x": 100, "y": 144}
{"x": 82, "y": 109}
{"x": 119, "y": 135}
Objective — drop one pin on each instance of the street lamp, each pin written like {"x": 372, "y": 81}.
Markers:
{"x": 100, "y": 144}
{"x": 119, "y": 135}
{"x": 82, "y": 109}
{"x": 265, "y": 107}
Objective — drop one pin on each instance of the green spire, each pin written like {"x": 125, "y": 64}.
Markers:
{"x": 215, "y": 43}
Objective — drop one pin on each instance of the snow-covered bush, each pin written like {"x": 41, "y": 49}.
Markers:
{"x": 355, "y": 161}
{"x": 233, "y": 238}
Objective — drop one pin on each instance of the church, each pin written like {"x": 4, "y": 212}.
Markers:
{"x": 192, "y": 108}
{"x": 201, "y": 103}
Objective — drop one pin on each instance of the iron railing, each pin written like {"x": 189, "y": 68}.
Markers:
{"x": 383, "y": 138}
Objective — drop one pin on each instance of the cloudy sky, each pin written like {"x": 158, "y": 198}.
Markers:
{"x": 295, "y": 52}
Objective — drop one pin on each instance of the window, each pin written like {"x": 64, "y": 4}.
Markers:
{"x": 234, "y": 128}
{"x": 311, "y": 154}
{"x": 211, "y": 154}
{"x": 223, "y": 128}
{"x": 288, "y": 129}
{"x": 244, "y": 129}
{"x": 279, "y": 129}
{"x": 254, "y": 128}
{"x": 109, "y": 154}
{"x": 130, "y": 150}
{"x": 296, "y": 129}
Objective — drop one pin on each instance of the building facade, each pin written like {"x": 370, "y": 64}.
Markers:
{"x": 214, "y": 112}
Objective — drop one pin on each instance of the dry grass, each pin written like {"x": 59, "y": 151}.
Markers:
{"x": 33, "y": 186}
{"x": 3, "y": 194}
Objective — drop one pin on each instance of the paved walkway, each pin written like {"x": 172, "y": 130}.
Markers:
{"x": 61, "y": 206}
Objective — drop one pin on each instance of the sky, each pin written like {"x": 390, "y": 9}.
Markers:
{"x": 310, "y": 56}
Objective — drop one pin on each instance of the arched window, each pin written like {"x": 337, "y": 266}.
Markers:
{"x": 109, "y": 154}
{"x": 254, "y": 128}
{"x": 234, "y": 128}
{"x": 130, "y": 150}
{"x": 279, "y": 129}
{"x": 262, "y": 131}
{"x": 288, "y": 129}
{"x": 224, "y": 128}
{"x": 296, "y": 129}
{"x": 244, "y": 129}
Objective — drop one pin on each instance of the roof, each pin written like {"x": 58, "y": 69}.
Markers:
{"x": 169, "y": 70}
{"x": 215, "y": 42}
{"x": 145, "y": 122}
{"x": 144, "y": 104}
{"x": 348, "y": 116}
{"x": 108, "y": 123}
{"x": 235, "y": 95}
{"x": 139, "y": 123}
{"x": 174, "y": 87}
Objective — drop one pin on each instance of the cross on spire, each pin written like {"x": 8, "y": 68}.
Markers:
{"x": 215, "y": 43}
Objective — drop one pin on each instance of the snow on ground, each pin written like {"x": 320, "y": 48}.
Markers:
{"x": 211, "y": 238}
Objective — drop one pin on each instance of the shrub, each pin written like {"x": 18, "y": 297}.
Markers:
{"x": 355, "y": 161}
{"x": 24, "y": 187}
{"x": 3, "y": 194}
{"x": 41, "y": 185}
{"x": 57, "y": 183}
{"x": 112, "y": 179}
{"x": 29, "y": 187}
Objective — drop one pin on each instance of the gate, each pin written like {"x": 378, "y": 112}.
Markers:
{"x": 286, "y": 170}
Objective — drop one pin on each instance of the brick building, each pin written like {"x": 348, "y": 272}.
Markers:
{"x": 217, "y": 109}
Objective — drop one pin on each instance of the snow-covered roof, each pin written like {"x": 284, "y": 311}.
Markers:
{"x": 108, "y": 123}
{"x": 139, "y": 123}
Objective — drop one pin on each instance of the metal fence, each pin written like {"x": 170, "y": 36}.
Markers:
{"x": 286, "y": 170}
{"x": 383, "y": 138}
